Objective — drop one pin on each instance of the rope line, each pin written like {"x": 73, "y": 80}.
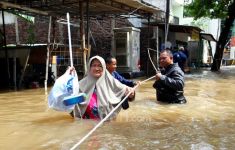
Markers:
{"x": 102, "y": 121}
{"x": 157, "y": 70}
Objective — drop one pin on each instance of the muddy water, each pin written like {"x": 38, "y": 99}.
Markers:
{"x": 207, "y": 121}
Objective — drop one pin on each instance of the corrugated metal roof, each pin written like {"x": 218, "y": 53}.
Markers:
{"x": 178, "y": 28}
{"x": 96, "y": 7}
{"x": 140, "y": 5}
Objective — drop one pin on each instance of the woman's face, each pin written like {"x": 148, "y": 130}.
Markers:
{"x": 96, "y": 69}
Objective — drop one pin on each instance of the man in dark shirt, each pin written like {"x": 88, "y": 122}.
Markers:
{"x": 111, "y": 65}
{"x": 169, "y": 82}
{"x": 180, "y": 57}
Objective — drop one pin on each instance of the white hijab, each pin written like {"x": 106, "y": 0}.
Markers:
{"x": 108, "y": 89}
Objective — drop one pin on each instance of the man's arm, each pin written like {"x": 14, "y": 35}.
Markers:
{"x": 120, "y": 78}
{"x": 175, "y": 81}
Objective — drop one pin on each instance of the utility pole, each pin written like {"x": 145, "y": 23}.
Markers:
{"x": 167, "y": 19}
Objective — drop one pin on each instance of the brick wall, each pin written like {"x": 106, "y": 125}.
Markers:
{"x": 10, "y": 33}
{"x": 100, "y": 29}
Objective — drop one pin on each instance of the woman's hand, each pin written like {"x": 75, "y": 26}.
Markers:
{"x": 71, "y": 70}
{"x": 131, "y": 91}
{"x": 137, "y": 83}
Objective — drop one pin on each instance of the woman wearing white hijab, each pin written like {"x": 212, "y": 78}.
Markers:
{"x": 104, "y": 91}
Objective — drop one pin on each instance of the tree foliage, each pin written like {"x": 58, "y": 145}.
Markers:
{"x": 207, "y": 8}
{"x": 224, "y": 9}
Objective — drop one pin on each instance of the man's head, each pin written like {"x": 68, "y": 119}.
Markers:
{"x": 166, "y": 58}
{"x": 111, "y": 63}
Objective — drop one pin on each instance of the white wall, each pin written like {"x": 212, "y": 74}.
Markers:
{"x": 158, "y": 3}
{"x": 214, "y": 29}
{"x": 8, "y": 18}
{"x": 178, "y": 2}
{"x": 186, "y": 21}
{"x": 177, "y": 10}
{"x": 205, "y": 52}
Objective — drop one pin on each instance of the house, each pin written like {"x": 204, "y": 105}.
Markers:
{"x": 95, "y": 26}
{"x": 42, "y": 26}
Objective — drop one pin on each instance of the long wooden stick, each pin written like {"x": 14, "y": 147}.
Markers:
{"x": 70, "y": 44}
{"x": 102, "y": 121}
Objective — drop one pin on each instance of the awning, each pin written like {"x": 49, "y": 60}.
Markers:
{"x": 144, "y": 6}
{"x": 96, "y": 7}
{"x": 208, "y": 37}
{"x": 178, "y": 28}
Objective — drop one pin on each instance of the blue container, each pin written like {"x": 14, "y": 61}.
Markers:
{"x": 74, "y": 99}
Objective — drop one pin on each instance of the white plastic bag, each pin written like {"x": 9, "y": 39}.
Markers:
{"x": 66, "y": 85}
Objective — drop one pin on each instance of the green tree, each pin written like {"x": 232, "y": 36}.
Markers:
{"x": 223, "y": 9}
{"x": 207, "y": 8}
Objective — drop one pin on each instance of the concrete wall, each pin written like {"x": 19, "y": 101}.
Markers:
{"x": 9, "y": 18}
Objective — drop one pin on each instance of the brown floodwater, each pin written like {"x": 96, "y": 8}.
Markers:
{"x": 206, "y": 122}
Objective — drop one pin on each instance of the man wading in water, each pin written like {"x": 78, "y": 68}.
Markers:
{"x": 111, "y": 65}
{"x": 169, "y": 82}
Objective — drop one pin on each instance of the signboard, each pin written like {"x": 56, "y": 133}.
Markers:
{"x": 195, "y": 35}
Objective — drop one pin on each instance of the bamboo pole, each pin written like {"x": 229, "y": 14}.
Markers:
{"x": 48, "y": 54}
{"x": 82, "y": 35}
{"x": 70, "y": 44}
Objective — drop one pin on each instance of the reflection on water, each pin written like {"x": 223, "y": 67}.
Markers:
{"x": 207, "y": 121}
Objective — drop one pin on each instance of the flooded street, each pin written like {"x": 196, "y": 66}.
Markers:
{"x": 207, "y": 121}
